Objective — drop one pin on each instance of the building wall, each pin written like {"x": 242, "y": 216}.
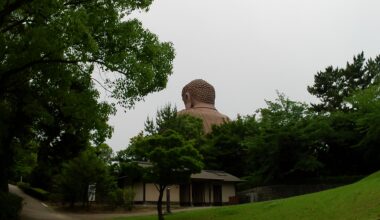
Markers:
{"x": 139, "y": 190}
{"x": 228, "y": 190}
{"x": 208, "y": 192}
{"x": 151, "y": 193}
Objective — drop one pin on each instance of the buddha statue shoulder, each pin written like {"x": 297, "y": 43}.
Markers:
{"x": 199, "y": 99}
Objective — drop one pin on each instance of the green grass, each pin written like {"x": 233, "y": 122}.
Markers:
{"x": 360, "y": 200}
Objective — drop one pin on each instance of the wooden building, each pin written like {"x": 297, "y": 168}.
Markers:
{"x": 209, "y": 187}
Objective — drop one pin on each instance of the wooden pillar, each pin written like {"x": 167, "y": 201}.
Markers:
{"x": 209, "y": 193}
{"x": 191, "y": 194}
{"x": 144, "y": 192}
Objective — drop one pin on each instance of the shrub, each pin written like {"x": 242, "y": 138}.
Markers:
{"x": 34, "y": 192}
{"x": 129, "y": 196}
{"x": 10, "y": 206}
{"x": 122, "y": 198}
{"x": 76, "y": 176}
{"x": 116, "y": 198}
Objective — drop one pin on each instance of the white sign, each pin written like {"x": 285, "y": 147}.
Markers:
{"x": 91, "y": 192}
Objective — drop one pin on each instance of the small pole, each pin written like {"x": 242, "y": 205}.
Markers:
{"x": 168, "y": 200}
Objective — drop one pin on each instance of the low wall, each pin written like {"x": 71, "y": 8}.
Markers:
{"x": 265, "y": 193}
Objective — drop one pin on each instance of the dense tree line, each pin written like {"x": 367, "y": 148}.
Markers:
{"x": 293, "y": 141}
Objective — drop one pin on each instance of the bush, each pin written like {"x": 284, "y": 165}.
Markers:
{"x": 76, "y": 175}
{"x": 122, "y": 198}
{"x": 129, "y": 196}
{"x": 116, "y": 198}
{"x": 10, "y": 206}
{"x": 34, "y": 192}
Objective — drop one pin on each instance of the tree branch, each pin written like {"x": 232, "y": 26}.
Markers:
{"x": 14, "y": 24}
{"x": 41, "y": 61}
{"x": 75, "y": 2}
{"x": 97, "y": 81}
{"x": 9, "y": 8}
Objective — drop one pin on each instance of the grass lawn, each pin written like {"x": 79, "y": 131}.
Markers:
{"x": 360, "y": 200}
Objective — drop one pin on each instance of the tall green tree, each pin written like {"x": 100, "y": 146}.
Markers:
{"x": 333, "y": 85}
{"x": 172, "y": 156}
{"x": 67, "y": 119}
{"x": 47, "y": 44}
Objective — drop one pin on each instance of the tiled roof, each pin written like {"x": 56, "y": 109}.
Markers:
{"x": 206, "y": 174}
{"x": 215, "y": 175}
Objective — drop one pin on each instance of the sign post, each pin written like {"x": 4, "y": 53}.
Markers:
{"x": 91, "y": 192}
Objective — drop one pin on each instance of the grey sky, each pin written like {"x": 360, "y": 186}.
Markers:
{"x": 248, "y": 49}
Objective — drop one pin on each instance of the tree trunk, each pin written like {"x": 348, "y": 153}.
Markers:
{"x": 159, "y": 202}
{"x": 6, "y": 157}
{"x": 3, "y": 174}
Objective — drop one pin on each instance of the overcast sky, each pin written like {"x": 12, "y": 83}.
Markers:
{"x": 248, "y": 49}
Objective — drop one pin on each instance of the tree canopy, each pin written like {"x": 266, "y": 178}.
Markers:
{"x": 171, "y": 155}
{"x": 293, "y": 142}
{"x": 49, "y": 50}
{"x": 334, "y": 85}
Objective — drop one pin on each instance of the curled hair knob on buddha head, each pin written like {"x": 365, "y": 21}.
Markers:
{"x": 198, "y": 90}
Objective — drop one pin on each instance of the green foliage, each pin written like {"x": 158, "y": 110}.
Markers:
{"x": 122, "y": 198}
{"x": 223, "y": 147}
{"x": 80, "y": 34}
{"x": 25, "y": 160}
{"x": 170, "y": 153}
{"x": 78, "y": 173}
{"x": 104, "y": 153}
{"x": 48, "y": 51}
{"x": 288, "y": 141}
{"x": 167, "y": 119}
{"x": 356, "y": 201}
{"x": 173, "y": 159}
{"x": 367, "y": 105}
{"x": 128, "y": 172}
{"x": 278, "y": 149}
{"x": 10, "y": 206}
{"x": 333, "y": 85}
{"x": 71, "y": 121}
{"x": 33, "y": 191}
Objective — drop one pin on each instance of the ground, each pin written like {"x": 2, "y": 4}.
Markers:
{"x": 34, "y": 209}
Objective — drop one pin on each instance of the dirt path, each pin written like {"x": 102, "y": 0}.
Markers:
{"x": 34, "y": 209}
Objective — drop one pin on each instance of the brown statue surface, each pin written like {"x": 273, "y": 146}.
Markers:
{"x": 199, "y": 99}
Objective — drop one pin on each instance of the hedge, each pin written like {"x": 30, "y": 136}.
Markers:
{"x": 10, "y": 206}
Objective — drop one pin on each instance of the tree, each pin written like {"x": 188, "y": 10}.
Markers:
{"x": 67, "y": 118}
{"x": 367, "y": 106}
{"x": 278, "y": 150}
{"x": 25, "y": 160}
{"x": 333, "y": 85}
{"x": 104, "y": 153}
{"x": 49, "y": 44}
{"x": 223, "y": 146}
{"x": 167, "y": 119}
{"x": 78, "y": 173}
{"x": 172, "y": 157}
{"x": 126, "y": 169}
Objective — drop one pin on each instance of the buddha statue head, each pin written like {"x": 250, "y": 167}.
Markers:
{"x": 198, "y": 91}
{"x": 199, "y": 99}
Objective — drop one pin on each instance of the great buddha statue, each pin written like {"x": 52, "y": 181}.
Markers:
{"x": 199, "y": 99}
